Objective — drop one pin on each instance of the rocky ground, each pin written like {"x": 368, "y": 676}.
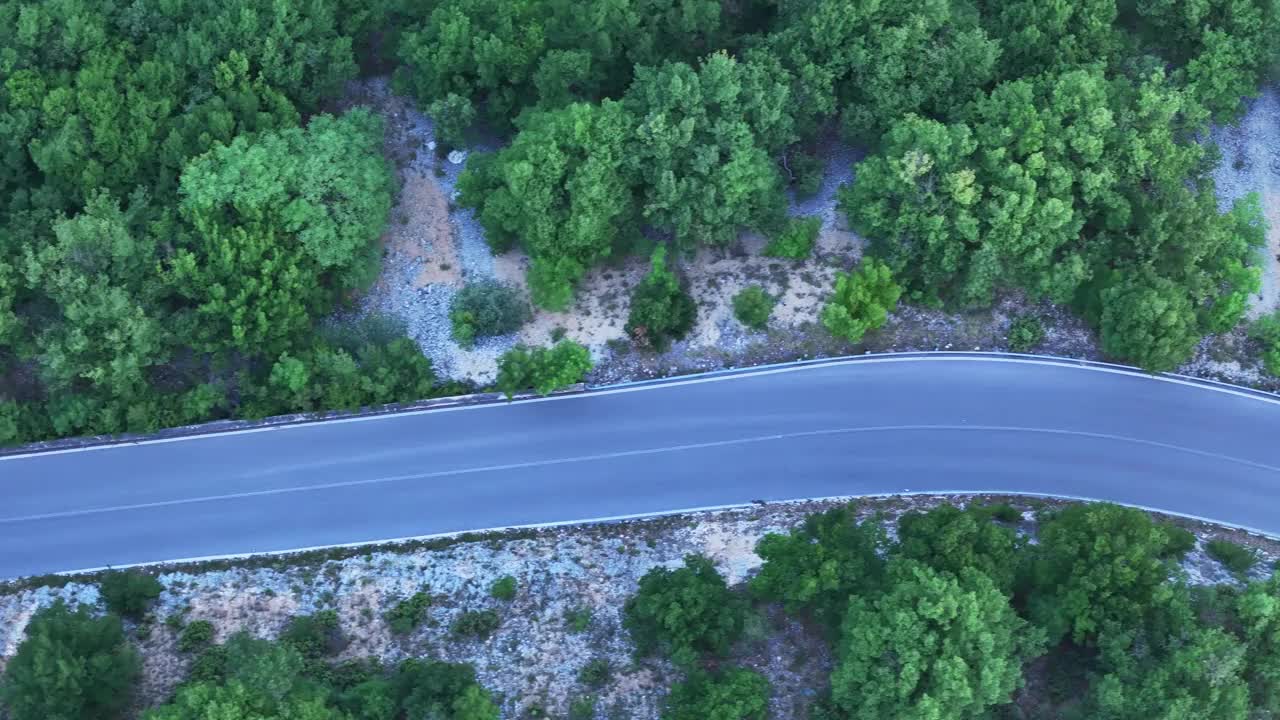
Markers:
{"x": 432, "y": 247}
{"x": 532, "y": 660}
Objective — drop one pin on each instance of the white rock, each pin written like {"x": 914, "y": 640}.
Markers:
{"x": 431, "y": 144}
{"x": 457, "y": 156}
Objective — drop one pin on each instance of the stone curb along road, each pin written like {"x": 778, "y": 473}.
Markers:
{"x": 925, "y": 422}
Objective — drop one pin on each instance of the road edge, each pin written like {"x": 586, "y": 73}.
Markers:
{"x": 231, "y": 427}
{"x": 436, "y": 541}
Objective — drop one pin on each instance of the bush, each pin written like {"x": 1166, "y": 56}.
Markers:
{"x": 195, "y": 636}
{"x": 807, "y": 174}
{"x": 578, "y": 620}
{"x": 209, "y": 666}
{"x": 1181, "y": 541}
{"x": 660, "y": 310}
{"x": 686, "y": 612}
{"x": 735, "y": 694}
{"x": 485, "y": 309}
{"x": 408, "y": 614}
{"x": 861, "y": 301}
{"x": 129, "y": 593}
{"x": 1004, "y": 512}
{"x": 797, "y": 239}
{"x": 504, "y": 588}
{"x": 1025, "y": 333}
{"x": 542, "y": 370}
{"x": 70, "y": 666}
{"x": 596, "y": 673}
{"x": 1237, "y": 558}
{"x": 583, "y": 707}
{"x": 318, "y": 635}
{"x": 1266, "y": 330}
{"x": 476, "y": 623}
{"x": 752, "y": 306}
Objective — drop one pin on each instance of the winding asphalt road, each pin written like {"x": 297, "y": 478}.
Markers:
{"x": 933, "y": 423}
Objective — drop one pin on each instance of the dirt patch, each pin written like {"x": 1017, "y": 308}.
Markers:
{"x": 420, "y": 234}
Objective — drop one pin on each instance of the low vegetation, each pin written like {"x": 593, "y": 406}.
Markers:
{"x": 1092, "y": 619}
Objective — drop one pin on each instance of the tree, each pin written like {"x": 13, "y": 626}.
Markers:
{"x": 70, "y": 666}
{"x": 949, "y": 539}
{"x": 734, "y": 694}
{"x": 661, "y": 311}
{"x": 284, "y": 222}
{"x": 797, "y": 239}
{"x": 1095, "y": 564}
{"x": 559, "y": 190}
{"x": 1150, "y": 320}
{"x": 933, "y": 645}
{"x": 698, "y": 153}
{"x": 861, "y": 301}
{"x": 1258, "y": 609}
{"x": 430, "y": 688}
{"x": 129, "y": 593}
{"x": 752, "y": 306}
{"x": 819, "y": 565}
{"x": 686, "y": 613}
{"x": 542, "y": 370}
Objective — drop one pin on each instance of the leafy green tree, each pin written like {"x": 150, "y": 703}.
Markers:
{"x": 1258, "y": 610}
{"x": 430, "y": 688}
{"x": 279, "y": 219}
{"x": 485, "y": 309}
{"x": 797, "y": 239}
{"x": 1168, "y": 665}
{"x": 129, "y": 593}
{"x": 685, "y": 613}
{"x": 558, "y": 189}
{"x": 933, "y": 645}
{"x": 949, "y": 539}
{"x": 734, "y": 694}
{"x": 861, "y": 301}
{"x": 1095, "y": 564}
{"x": 453, "y": 114}
{"x": 661, "y": 311}
{"x": 699, "y": 152}
{"x": 752, "y": 306}
{"x": 541, "y": 369}
{"x": 70, "y": 666}
{"x": 1149, "y": 320}
{"x": 819, "y": 565}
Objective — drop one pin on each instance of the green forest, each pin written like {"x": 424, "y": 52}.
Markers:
{"x": 182, "y": 209}
{"x": 960, "y": 616}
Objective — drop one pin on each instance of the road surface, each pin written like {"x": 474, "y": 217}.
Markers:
{"x": 888, "y": 425}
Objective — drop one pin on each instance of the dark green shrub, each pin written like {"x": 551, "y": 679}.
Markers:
{"x": 315, "y": 636}
{"x": 542, "y": 370}
{"x": 686, "y": 612}
{"x": 1025, "y": 333}
{"x": 484, "y": 309}
{"x": 195, "y": 635}
{"x": 71, "y": 666}
{"x": 504, "y": 588}
{"x": 735, "y": 694}
{"x": 1266, "y": 330}
{"x": 209, "y": 666}
{"x": 405, "y": 616}
{"x": 752, "y": 306}
{"x": 1237, "y": 558}
{"x": 661, "y": 311}
{"x": 435, "y": 689}
{"x": 806, "y": 172}
{"x": 583, "y": 707}
{"x": 476, "y": 623}
{"x": 578, "y": 620}
{"x": 129, "y": 593}
{"x": 596, "y": 673}
{"x": 1004, "y": 512}
{"x": 1181, "y": 541}
{"x": 797, "y": 239}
